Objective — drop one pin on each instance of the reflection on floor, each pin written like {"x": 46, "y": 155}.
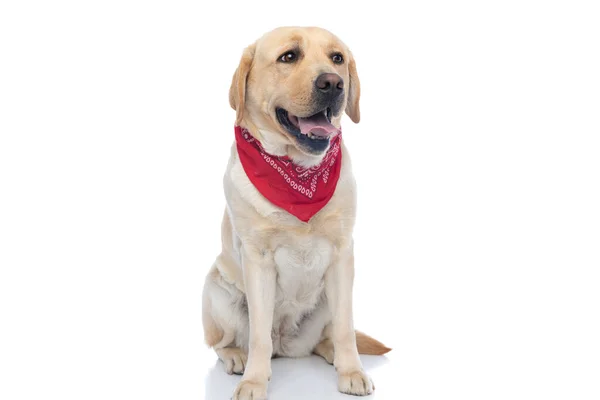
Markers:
{"x": 294, "y": 379}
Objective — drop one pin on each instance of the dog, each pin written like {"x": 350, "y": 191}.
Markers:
{"x": 282, "y": 285}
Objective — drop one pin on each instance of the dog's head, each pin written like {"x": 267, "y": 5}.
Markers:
{"x": 291, "y": 89}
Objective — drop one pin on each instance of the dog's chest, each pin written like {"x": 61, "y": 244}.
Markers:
{"x": 301, "y": 264}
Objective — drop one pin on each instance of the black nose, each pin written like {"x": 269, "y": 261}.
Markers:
{"x": 330, "y": 84}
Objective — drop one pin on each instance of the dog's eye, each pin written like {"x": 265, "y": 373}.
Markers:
{"x": 337, "y": 58}
{"x": 288, "y": 57}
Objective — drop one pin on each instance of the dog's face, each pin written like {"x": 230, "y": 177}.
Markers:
{"x": 293, "y": 86}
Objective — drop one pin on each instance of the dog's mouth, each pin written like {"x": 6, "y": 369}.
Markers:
{"x": 312, "y": 133}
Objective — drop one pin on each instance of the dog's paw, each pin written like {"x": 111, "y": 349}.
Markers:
{"x": 234, "y": 359}
{"x": 250, "y": 390}
{"x": 328, "y": 356}
{"x": 356, "y": 383}
{"x": 325, "y": 350}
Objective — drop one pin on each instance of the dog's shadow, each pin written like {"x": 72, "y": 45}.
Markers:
{"x": 293, "y": 378}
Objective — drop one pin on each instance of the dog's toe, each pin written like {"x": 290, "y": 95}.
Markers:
{"x": 250, "y": 390}
{"x": 325, "y": 350}
{"x": 234, "y": 359}
{"x": 356, "y": 383}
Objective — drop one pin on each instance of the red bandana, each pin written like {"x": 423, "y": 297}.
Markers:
{"x": 300, "y": 191}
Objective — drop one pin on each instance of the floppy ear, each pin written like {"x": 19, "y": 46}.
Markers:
{"x": 237, "y": 91}
{"x": 352, "y": 107}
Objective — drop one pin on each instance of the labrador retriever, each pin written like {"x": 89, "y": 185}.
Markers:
{"x": 282, "y": 285}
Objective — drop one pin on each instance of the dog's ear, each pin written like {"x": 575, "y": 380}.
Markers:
{"x": 237, "y": 91}
{"x": 352, "y": 107}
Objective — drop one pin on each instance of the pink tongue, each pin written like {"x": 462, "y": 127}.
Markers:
{"x": 317, "y": 125}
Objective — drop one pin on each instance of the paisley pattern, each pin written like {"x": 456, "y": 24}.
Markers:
{"x": 302, "y": 191}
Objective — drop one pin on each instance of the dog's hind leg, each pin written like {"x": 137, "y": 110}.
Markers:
{"x": 224, "y": 317}
{"x": 365, "y": 345}
{"x": 325, "y": 350}
{"x": 213, "y": 332}
{"x": 234, "y": 358}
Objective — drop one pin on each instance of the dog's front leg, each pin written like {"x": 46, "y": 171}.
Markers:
{"x": 259, "y": 281}
{"x": 352, "y": 379}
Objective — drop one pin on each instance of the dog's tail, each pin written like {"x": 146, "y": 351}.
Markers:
{"x": 367, "y": 345}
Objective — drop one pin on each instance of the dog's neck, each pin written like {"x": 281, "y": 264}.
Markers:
{"x": 300, "y": 191}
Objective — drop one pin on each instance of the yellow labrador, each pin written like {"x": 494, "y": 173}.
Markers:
{"x": 281, "y": 286}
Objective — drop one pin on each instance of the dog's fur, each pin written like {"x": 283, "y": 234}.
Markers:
{"x": 282, "y": 287}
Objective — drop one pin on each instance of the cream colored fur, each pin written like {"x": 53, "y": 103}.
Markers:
{"x": 282, "y": 287}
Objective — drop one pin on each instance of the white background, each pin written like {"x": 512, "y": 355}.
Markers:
{"x": 477, "y": 160}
